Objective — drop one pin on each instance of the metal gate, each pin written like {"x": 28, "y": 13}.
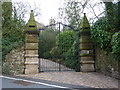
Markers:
{"x": 50, "y": 57}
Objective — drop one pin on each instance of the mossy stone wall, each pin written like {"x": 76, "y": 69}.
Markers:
{"x": 106, "y": 63}
{"x": 14, "y": 62}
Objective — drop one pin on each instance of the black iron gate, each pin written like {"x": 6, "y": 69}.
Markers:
{"x": 52, "y": 54}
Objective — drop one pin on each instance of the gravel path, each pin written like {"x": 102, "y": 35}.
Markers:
{"x": 92, "y": 79}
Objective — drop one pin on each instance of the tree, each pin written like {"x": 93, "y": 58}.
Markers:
{"x": 109, "y": 11}
{"x": 23, "y": 9}
{"x": 73, "y": 10}
{"x": 7, "y": 14}
{"x": 112, "y": 14}
{"x": 12, "y": 29}
{"x": 118, "y": 24}
{"x": 105, "y": 31}
{"x": 71, "y": 13}
{"x": 14, "y": 15}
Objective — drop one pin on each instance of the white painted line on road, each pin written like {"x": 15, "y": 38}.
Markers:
{"x": 34, "y": 82}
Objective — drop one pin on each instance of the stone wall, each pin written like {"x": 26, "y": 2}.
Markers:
{"x": 14, "y": 62}
{"x": 106, "y": 63}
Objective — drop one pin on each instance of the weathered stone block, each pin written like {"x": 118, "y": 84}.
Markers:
{"x": 86, "y": 59}
{"x": 31, "y": 38}
{"x": 31, "y": 59}
{"x": 31, "y": 46}
{"x": 86, "y": 46}
{"x": 31, "y": 68}
{"x": 87, "y": 67}
{"x": 86, "y": 53}
{"x": 31, "y": 51}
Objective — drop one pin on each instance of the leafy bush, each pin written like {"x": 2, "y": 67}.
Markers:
{"x": 68, "y": 46}
{"x": 65, "y": 41}
{"x": 102, "y": 37}
{"x": 72, "y": 56}
{"x": 115, "y": 42}
{"x": 12, "y": 29}
{"x": 6, "y": 69}
{"x": 100, "y": 34}
{"x": 11, "y": 41}
{"x": 54, "y": 51}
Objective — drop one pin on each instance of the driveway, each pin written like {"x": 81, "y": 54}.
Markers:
{"x": 91, "y": 79}
{"x": 49, "y": 65}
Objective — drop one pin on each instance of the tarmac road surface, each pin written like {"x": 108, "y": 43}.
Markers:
{"x": 19, "y": 82}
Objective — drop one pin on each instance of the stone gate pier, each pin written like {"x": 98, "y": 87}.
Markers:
{"x": 31, "y": 46}
{"x": 86, "y": 47}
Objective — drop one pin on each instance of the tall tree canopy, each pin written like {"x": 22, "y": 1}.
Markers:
{"x": 12, "y": 29}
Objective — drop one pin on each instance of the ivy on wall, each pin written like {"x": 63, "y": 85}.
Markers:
{"x": 115, "y": 42}
{"x": 100, "y": 34}
{"x": 104, "y": 39}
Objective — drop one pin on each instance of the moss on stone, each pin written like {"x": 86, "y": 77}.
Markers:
{"x": 85, "y": 23}
{"x": 31, "y": 25}
{"x": 83, "y": 40}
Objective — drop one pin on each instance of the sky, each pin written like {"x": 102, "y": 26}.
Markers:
{"x": 48, "y": 8}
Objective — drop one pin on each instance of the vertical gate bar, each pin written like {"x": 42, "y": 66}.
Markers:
{"x": 39, "y": 65}
{"x": 42, "y": 64}
{"x": 39, "y": 51}
{"x": 57, "y": 65}
{"x": 45, "y": 65}
{"x": 58, "y": 44}
{"x": 43, "y": 61}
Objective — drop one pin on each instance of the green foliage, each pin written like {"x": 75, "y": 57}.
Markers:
{"x": 104, "y": 31}
{"x": 68, "y": 47}
{"x": 7, "y": 13}
{"x": 71, "y": 12}
{"x": 116, "y": 19}
{"x": 65, "y": 41}
{"x": 6, "y": 69}
{"x": 112, "y": 14}
{"x": 54, "y": 52}
{"x": 12, "y": 31}
{"x": 102, "y": 37}
{"x": 115, "y": 42}
{"x": 118, "y": 15}
{"x": 72, "y": 56}
{"x": 100, "y": 34}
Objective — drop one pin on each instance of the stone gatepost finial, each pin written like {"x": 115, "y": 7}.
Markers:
{"x": 31, "y": 46}
{"x": 85, "y": 23}
{"x": 31, "y": 25}
{"x": 86, "y": 46}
